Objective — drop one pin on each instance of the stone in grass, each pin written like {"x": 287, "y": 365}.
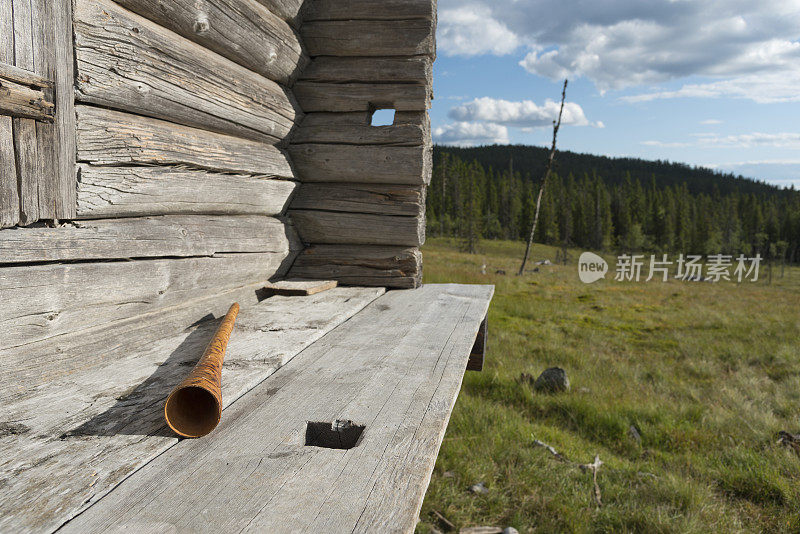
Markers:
{"x": 552, "y": 380}
{"x": 479, "y": 489}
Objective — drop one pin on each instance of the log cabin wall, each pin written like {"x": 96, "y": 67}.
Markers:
{"x": 168, "y": 122}
{"x": 360, "y": 208}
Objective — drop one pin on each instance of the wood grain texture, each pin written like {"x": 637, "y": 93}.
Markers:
{"x": 9, "y": 191}
{"x": 243, "y": 31}
{"x": 60, "y": 68}
{"x": 105, "y": 192}
{"x": 327, "y": 227}
{"x": 361, "y": 198}
{"x": 22, "y": 101}
{"x": 288, "y": 10}
{"x": 367, "y": 38}
{"x": 362, "y": 164}
{"x": 334, "y": 97}
{"x": 147, "y": 237}
{"x": 410, "y": 128}
{"x": 369, "y": 10}
{"x": 414, "y": 69}
{"x": 43, "y": 301}
{"x": 297, "y": 287}
{"x": 92, "y": 405}
{"x": 396, "y": 367}
{"x": 395, "y": 267}
{"x": 23, "y": 76}
{"x": 127, "y": 62}
{"x": 107, "y": 137}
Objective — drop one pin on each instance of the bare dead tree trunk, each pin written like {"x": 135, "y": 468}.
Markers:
{"x": 556, "y": 126}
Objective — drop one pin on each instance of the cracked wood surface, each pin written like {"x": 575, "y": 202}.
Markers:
{"x": 128, "y": 62}
{"x": 396, "y": 367}
{"x": 105, "y": 192}
{"x": 66, "y": 439}
{"x": 108, "y": 137}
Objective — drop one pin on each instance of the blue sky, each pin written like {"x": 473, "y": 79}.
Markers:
{"x": 712, "y": 83}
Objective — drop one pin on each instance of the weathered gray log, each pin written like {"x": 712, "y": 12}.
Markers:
{"x": 362, "y": 164}
{"x": 410, "y": 128}
{"x": 396, "y": 368}
{"x": 360, "y": 265}
{"x": 91, "y": 403}
{"x": 170, "y": 235}
{"x": 105, "y": 192}
{"x": 336, "y": 97}
{"x": 380, "y": 199}
{"x": 22, "y": 101}
{"x": 327, "y": 227}
{"x": 366, "y": 38}
{"x": 243, "y": 31}
{"x": 414, "y": 69}
{"x": 107, "y": 137}
{"x": 126, "y": 61}
{"x": 42, "y": 301}
{"x": 23, "y": 76}
{"x": 369, "y": 9}
{"x": 288, "y": 10}
{"x": 28, "y": 167}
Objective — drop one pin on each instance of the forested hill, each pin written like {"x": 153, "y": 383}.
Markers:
{"x": 602, "y": 203}
{"x": 532, "y": 159}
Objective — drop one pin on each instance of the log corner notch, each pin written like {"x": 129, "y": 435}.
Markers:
{"x": 361, "y": 204}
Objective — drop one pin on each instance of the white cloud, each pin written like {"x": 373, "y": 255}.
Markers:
{"x": 742, "y": 48}
{"x": 471, "y": 134}
{"x": 470, "y": 30}
{"x": 710, "y": 122}
{"x": 522, "y": 114}
{"x": 749, "y": 140}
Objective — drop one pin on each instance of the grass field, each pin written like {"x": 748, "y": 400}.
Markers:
{"x": 707, "y": 373}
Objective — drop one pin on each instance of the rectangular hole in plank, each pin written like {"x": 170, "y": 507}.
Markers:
{"x": 336, "y": 435}
{"x": 382, "y": 117}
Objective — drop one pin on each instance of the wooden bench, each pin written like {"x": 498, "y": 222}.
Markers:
{"x": 90, "y": 452}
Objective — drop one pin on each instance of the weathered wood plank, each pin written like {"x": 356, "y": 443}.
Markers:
{"x": 288, "y": 10}
{"x": 369, "y": 10}
{"x": 25, "y": 141}
{"x": 42, "y": 301}
{"x": 361, "y": 198}
{"x": 243, "y": 31}
{"x": 330, "y": 228}
{"x": 170, "y": 235}
{"x": 366, "y": 38}
{"x": 414, "y": 69}
{"x": 9, "y": 192}
{"x": 127, "y": 62}
{"x": 396, "y": 267}
{"x": 22, "y": 101}
{"x": 410, "y": 128}
{"x": 396, "y": 367}
{"x": 24, "y": 76}
{"x": 105, "y": 192}
{"x": 335, "y": 97}
{"x": 93, "y": 407}
{"x": 107, "y": 137}
{"x": 60, "y": 67}
{"x": 362, "y": 164}
{"x": 298, "y": 288}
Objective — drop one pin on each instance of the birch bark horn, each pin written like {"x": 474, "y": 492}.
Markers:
{"x": 194, "y": 407}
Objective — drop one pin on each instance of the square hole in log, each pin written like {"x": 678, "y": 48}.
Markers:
{"x": 336, "y": 435}
{"x": 382, "y": 117}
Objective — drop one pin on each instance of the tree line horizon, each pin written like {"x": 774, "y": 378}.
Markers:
{"x": 608, "y": 204}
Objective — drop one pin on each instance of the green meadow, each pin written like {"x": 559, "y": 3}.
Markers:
{"x": 707, "y": 374}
